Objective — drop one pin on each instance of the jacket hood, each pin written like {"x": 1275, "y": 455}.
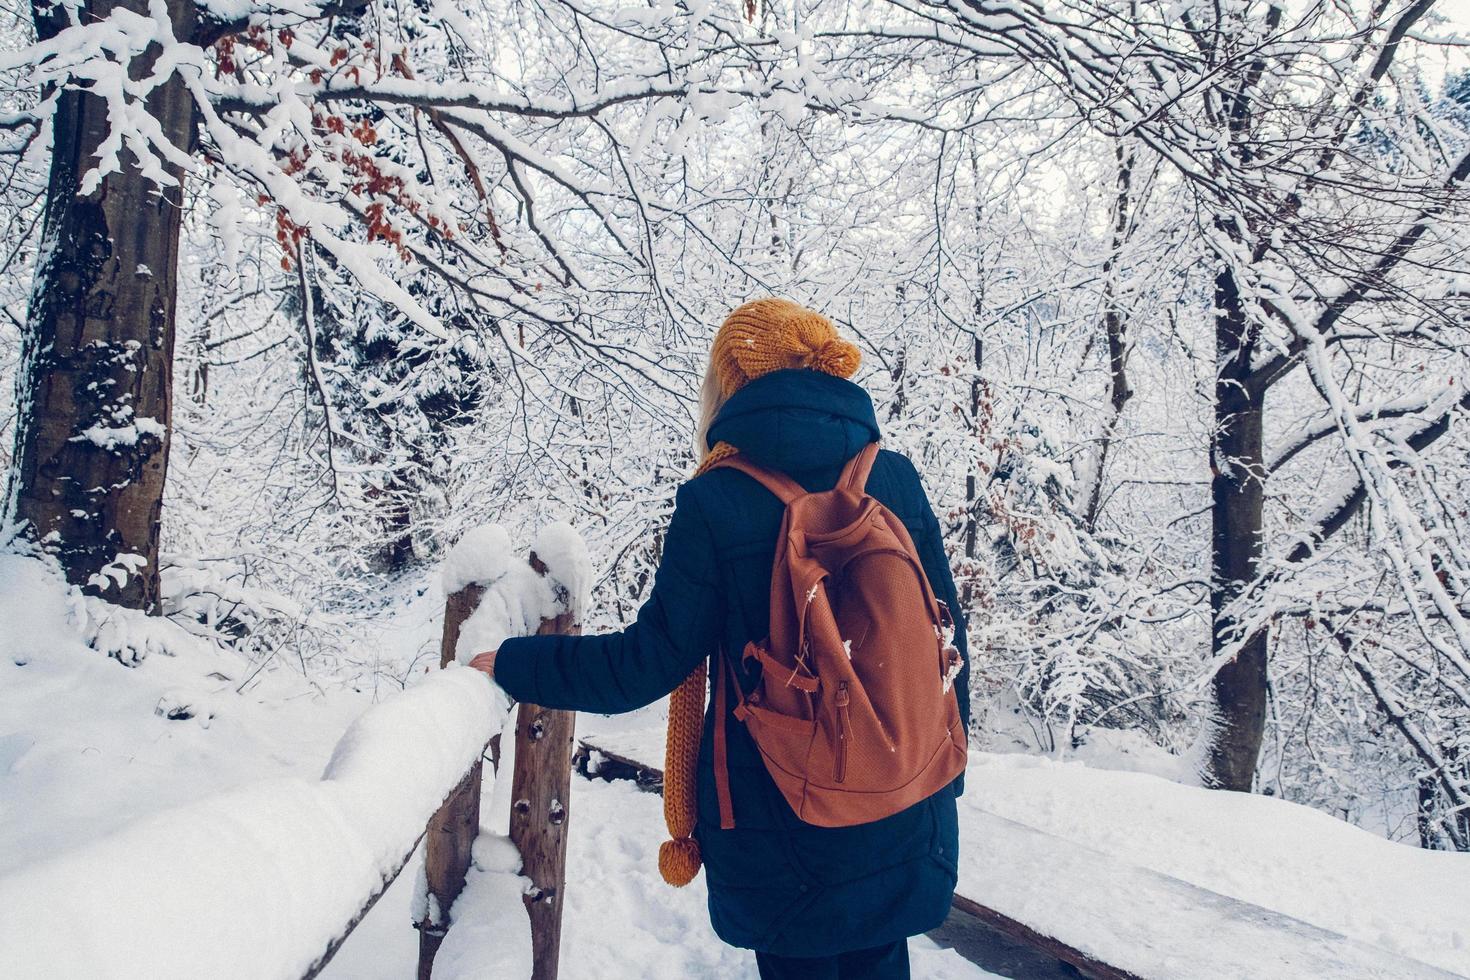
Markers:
{"x": 797, "y": 420}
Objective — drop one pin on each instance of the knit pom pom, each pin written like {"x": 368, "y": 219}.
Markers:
{"x": 678, "y": 860}
{"x": 837, "y": 357}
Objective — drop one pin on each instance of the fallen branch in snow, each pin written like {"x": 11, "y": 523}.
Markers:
{"x": 596, "y": 761}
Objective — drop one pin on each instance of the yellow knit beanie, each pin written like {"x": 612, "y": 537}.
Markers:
{"x": 767, "y": 335}
{"x": 759, "y": 337}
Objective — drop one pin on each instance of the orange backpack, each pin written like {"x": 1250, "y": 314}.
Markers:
{"x": 854, "y": 714}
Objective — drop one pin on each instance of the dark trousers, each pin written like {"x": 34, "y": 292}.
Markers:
{"x": 887, "y": 962}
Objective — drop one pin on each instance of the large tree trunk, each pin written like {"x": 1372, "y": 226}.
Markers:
{"x": 1237, "y": 485}
{"x": 1236, "y": 495}
{"x": 95, "y": 384}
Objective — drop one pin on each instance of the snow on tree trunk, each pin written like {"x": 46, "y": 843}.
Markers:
{"x": 95, "y": 385}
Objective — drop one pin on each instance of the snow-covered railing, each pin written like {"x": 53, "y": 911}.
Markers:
{"x": 268, "y": 880}
{"x": 263, "y": 881}
{"x": 489, "y": 597}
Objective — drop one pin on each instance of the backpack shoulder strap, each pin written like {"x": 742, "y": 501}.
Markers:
{"x": 780, "y": 484}
{"x": 724, "y": 679}
{"x": 855, "y": 475}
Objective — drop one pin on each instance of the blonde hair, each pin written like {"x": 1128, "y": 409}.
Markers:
{"x": 711, "y": 400}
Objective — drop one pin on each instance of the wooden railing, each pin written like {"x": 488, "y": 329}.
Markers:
{"x": 452, "y": 829}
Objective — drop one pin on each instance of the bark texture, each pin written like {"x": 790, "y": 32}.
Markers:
{"x": 1115, "y": 328}
{"x": 94, "y": 398}
{"x": 1237, "y": 495}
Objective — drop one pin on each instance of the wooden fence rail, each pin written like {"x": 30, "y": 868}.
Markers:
{"x": 453, "y": 827}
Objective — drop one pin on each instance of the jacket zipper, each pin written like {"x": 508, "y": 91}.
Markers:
{"x": 843, "y": 724}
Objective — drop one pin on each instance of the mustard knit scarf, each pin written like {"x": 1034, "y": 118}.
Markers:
{"x": 678, "y": 857}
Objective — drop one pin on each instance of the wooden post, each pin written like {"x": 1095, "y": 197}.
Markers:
{"x": 540, "y": 790}
{"x": 538, "y": 820}
{"x": 453, "y": 827}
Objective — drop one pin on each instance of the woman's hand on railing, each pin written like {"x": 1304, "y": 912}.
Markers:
{"x": 485, "y": 662}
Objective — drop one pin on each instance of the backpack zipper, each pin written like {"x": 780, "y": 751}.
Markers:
{"x": 843, "y": 723}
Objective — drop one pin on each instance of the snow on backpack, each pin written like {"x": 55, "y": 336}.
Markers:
{"x": 854, "y": 714}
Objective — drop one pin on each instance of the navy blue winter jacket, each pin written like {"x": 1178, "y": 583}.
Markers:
{"x": 776, "y": 884}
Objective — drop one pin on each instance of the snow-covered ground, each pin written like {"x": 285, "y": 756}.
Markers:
{"x": 88, "y": 746}
{"x": 622, "y": 921}
{"x": 1165, "y": 880}
{"x": 1263, "y": 851}
{"x": 1069, "y": 848}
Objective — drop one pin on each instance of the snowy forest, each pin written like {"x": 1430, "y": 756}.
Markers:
{"x": 1169, "y": 304}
